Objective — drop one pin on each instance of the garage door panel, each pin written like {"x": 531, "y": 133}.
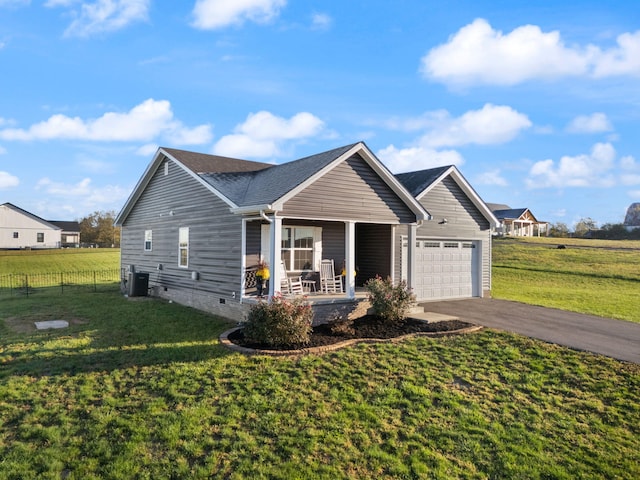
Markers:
{"x": 444, "y": 269}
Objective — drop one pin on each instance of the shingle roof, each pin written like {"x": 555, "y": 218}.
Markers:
{"x": 66, "y": 226}
{"x": 418, "y": 182}
{"x": 205, "y": 163}
{"x": 509, "y": 213}
{"x": 254, "y": 183}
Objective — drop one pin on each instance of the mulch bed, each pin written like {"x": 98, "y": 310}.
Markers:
{"x": 369, "y": 326}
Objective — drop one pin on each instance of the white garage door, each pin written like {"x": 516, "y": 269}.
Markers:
{"x": 443, "y": 269}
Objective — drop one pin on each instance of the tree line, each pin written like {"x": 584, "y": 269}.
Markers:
{"x": 588, "y": 228}
{"x": 98, "y": 230}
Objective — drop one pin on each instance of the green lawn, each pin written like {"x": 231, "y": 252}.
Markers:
{"x": 141, "y": 388}
{"x": 589, "y": 276}
{"x": 59, "y": 260}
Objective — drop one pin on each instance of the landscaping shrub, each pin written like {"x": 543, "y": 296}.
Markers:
{"x": 390, "y": 302}
{"x": 280, "y": 322}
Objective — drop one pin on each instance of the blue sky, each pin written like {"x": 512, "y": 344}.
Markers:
{"x": 537, "y": 103}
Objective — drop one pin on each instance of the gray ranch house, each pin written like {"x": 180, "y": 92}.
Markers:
{"x": 198, "y": 224}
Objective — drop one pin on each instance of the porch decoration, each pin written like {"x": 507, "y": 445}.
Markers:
{"x": 262, "y": 277}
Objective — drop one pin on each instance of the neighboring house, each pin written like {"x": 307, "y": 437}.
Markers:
{"x": 70, "y": 233}
{"x": 198, "y": 224}
{"x": 517, "y": 222}
{"x": 21, "y": 229}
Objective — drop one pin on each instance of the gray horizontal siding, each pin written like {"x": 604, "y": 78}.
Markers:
{"x": 464, "y": 222}
{"x": 351, "y": 191}
{"x": 214, "y": 235}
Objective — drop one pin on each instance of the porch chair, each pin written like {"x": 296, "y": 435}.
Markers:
{"x": 329, "y": 281}
{"x": 290, "y": 286}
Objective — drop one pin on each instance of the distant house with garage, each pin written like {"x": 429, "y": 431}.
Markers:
{"x": 70, "y": 233}
{"x": 198, "y": 224}
{"x": 20, "y": 229}
{"x": 517, "y": 222}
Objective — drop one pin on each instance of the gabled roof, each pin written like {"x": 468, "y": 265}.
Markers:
{"x": 419, "y": 183}
{"x": 511, "y": 213}
{"x": 253, "y": 186}
{"x": 267, "y": 186}
{"x": 30, "y": 215}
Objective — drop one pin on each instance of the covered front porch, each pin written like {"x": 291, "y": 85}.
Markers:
{"x": 364, "y": 249}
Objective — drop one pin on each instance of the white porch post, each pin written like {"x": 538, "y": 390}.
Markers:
{"x": 275, "y": 254}
{"x": 350, "y": 258}
{"x": 411, "y": 256}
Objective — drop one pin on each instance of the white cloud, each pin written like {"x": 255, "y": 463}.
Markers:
{"x": 630, "y": 179}
{"x": 594, "y": 123}
{"x": 622, "y": 60}
{"x": 144, "y": 122}
{"x": 479, "y": 54}
{"x": 321, "y": 21}
{"x": 7, "y": 180}
{"x": 635, "y": 194}
{"x": 102, "y": 16}
{"x": 493, "y": 177}
{"x": 586, "y": 170}
{"x": 263, "y": 134}
{"x": 85, "y": 193}
{"x": 492, "y": 124}
{"x": 213, "y": 14}
{"x": 417, "y": 158}
{"x": 3, "y": 150}
{"x": 147, "y": 150}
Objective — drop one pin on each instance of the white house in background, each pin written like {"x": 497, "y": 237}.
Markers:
{"x": 517, "y": 222}
{"x": 21, "y": 229}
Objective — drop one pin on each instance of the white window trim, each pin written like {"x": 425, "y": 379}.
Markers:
{"x": 317, "y": 244}
{"x": 148, "y": 238}
{"x": 181, "y": 248}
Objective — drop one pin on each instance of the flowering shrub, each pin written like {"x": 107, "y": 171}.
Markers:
{"x": 390, "y": 302}
{"x": 280, "y": 322}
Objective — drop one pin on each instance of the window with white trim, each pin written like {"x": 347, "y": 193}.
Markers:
{"x": 297, "y": 248}
{"x": 300, "y": 247}
{"x": 183, "y": 247}
{"x": 40, "y": 237}
{"x": 148, "y": 240}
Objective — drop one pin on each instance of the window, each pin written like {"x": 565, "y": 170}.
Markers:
{"x": 148, "y": 237}
{"x": 297, "y": 248}
{"x": 16, "y": 235}
{"x": 40, "y": 237}
{"x": 300, "y": 247}
{"x": 183, "y": 247}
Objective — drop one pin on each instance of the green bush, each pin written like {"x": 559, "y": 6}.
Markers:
{"x": 390, "y": 302}
{"x": 280, "y": 322}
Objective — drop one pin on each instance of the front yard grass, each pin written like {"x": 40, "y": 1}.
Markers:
{"x": 591, "y": 276}
{"x": 141, "y": 388}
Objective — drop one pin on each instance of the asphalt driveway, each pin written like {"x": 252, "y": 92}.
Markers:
{"x": 613, "y": 338}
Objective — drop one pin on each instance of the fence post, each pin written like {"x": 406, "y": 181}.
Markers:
{"x": 62, "y": 282}
{"x": 26, "y": 283}
{"x": 95, "y": 286}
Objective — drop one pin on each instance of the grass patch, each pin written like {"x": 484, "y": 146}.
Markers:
{"x": 599, "y": 278}
{"x": 142, "y": 389}
{"x": 58, "y": 260}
